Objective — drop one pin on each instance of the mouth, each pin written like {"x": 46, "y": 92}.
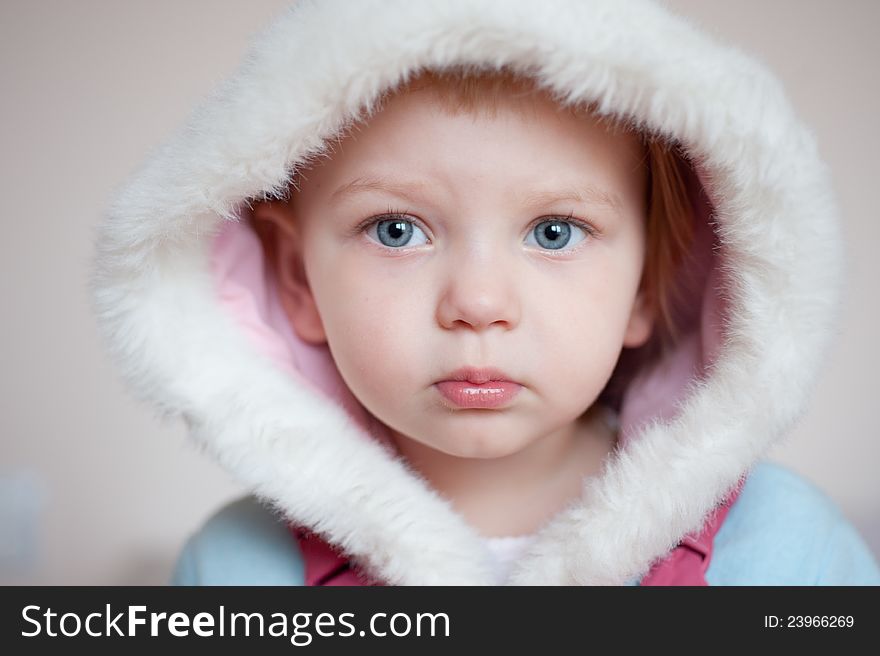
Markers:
{"x": 473, "y": 387}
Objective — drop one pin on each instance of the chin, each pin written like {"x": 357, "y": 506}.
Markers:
{"x": 482, "y": 449}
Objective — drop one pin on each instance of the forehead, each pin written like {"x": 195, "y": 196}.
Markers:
{"x": 417, "y": 139}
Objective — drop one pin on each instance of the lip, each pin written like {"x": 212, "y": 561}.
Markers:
{"x": 478, "y": 375}
{"x": 478, "y": 387}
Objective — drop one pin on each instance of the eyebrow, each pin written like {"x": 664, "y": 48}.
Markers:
{"x": 586, "y": 193}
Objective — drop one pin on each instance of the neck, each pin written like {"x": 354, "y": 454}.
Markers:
{"x": 517, "y": 493}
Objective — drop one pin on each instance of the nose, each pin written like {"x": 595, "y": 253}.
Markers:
{"x": 479, "y": 291}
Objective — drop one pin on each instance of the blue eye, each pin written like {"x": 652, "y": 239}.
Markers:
{"x": 556, "y": 234}
{"x": 396, "y": 232}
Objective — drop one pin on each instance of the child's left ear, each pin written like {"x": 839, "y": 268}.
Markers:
{"x": 641, "y": 321}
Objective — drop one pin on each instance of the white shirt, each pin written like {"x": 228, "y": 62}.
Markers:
{"x": 506, "y": 551}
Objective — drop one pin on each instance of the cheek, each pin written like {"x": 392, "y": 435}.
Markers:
{"x": 375, "y": 330}
{"x": 580, "y": 322}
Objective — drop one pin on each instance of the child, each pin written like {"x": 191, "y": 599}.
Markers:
{"x": 493, "y": 302}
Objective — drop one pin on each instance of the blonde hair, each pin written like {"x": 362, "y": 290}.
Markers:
{"x": 669, "y": 227}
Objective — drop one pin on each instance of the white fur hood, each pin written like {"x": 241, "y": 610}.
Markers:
{"x": 763, "y": 317}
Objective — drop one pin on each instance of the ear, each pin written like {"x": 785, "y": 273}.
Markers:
{"x": 289, "y": 268}
{"x": 641, "y": 321}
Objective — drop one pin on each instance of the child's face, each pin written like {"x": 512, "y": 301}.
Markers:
{"x": 465, "y": 280}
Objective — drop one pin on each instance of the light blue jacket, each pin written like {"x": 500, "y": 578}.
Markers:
{"x": 782, "y": 530}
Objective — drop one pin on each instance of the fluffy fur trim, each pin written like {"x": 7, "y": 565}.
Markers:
{"x": 309, "y": 74}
